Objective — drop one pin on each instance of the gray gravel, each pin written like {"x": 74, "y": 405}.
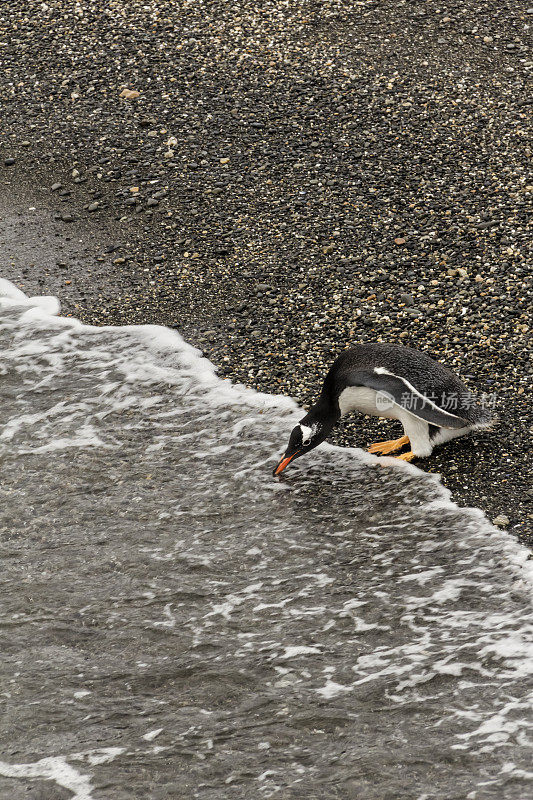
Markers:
{"x": 283, "y": 180}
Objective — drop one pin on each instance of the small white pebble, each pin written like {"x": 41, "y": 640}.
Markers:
{"x": 501, "y": 520}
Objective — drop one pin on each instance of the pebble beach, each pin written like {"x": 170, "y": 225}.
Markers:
{"x": 279, "y": 181}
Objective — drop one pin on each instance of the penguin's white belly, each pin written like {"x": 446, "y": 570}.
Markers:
{"x": 363, "y": 399}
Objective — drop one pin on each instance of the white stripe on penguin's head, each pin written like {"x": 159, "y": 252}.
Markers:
{"x": 307, "y": 433}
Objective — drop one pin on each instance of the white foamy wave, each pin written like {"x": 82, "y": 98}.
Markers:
{"x": 58, "y": 770}
{"x": 344, "y": 587}
{"x": 218, "y": 392}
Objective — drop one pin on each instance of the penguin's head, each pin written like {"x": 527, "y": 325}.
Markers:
{"x": 302, "y": 439}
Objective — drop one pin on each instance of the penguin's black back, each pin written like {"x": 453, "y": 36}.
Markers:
{"x": 426, "y": 375}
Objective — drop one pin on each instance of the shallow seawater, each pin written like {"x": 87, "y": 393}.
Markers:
{"x": 177, "y": 624}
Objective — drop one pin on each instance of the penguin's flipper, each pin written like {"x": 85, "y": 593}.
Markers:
{"x": 397, "y": 390}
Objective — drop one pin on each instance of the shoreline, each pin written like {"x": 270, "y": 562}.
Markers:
{"x": 87, "y": 290}
{"x": 287, "y": 226}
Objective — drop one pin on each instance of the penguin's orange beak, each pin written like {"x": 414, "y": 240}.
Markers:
{"x": 285, "y": 461}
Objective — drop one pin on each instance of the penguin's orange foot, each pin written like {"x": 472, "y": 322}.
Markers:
{"x": 407, "y": 456}
{"x": 388, "y": 447}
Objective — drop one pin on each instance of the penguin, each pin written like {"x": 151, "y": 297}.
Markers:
{"x": 395, "y": 382}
